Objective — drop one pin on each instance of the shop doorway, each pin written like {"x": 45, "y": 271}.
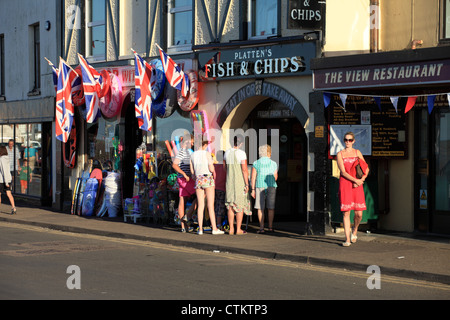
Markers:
{"x": 271, "y": 115}
{"x": 131, "y": 139}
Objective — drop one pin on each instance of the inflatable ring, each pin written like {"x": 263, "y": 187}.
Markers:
{"x": 78, "y": 95}
{"x": 70, "y": 147}
{"x": 166, "y": 105}
{"x": 187, "y": 104}
{"x": 158, "y": 79}
{"x": 110, "y": 105}
{"x": 106, "y": 84}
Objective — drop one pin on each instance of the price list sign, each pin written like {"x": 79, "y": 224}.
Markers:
{"x": 387, "y": 125}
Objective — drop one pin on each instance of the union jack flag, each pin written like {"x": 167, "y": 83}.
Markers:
{"x": 176, "y": 77}
{"x": 143, "y": 94}
{"x": 55, "y": 74}
{"x": 75, "y": 80}
{"x": 92, "y": 85}
{"x": 64, "y": 112}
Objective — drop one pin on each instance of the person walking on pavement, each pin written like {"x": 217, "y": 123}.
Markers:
{"x": 237, "y": 199}
{"x": 351, "y": 191}
{"x": 202, "y": 168}
{"x": 264, "y": 186}
{"x": 5, "y": 177}
{"x": 186, "y": 183}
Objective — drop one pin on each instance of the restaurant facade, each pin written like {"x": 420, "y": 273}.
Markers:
{"x": 397, "y": 104}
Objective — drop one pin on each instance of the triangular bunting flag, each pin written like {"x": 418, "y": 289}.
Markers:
{"x": 343, "y": 98}
{"x": 430, "y": 103}
{"x": 326, "y": 99}
{"x": 410, "y": 103}
{"x": 394, "y": 101}
{"x": 378, "y": 101}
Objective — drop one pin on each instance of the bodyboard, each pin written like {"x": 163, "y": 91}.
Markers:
{"x": 73, "y": 208}
{"x": 89, "y": 197}
{"x": 84, "y": 178}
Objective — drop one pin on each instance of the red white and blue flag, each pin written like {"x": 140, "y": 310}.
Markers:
{"x": 143, "y": 96}
{"x": 64, "y": 112}
{"x": 175, "y": 76}
{"x": 54, "y": 73}
{"x": 92, "y": 85}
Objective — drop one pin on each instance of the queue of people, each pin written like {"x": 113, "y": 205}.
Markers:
{"x": 225, "y": 186}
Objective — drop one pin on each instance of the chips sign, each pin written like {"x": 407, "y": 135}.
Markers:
{"x": 306, "y": 14}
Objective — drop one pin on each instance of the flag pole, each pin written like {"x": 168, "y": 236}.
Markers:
{"x": 49, "y": 62}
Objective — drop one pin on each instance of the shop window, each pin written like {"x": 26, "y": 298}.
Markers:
{"x": 263, "y": 18}
{"x": 25, "y": 143}
{"x": 442, "y": 164}
{"x": 29, "y": 141}
{"x": 96, "y": 29}
{"x": 180, "y": 25}
{"x": 167, "y": 128}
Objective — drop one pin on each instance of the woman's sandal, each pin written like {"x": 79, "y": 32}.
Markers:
{"x": 346, "y": 244}
{"x": 260, "y": 231}
{"x": 13, "y": 211}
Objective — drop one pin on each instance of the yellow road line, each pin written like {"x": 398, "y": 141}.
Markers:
{"x": 237, "y": 257}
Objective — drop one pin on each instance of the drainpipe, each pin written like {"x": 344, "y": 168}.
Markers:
{"x": 374, "y": 25}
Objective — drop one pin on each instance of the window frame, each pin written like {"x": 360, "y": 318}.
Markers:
{"x": 171, "y": 11}
{"x": 250, "y": 22}
{"x": 36, "y": 42}
{"x": 88, "y": 32}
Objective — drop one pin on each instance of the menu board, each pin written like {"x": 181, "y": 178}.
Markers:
{"x": 381, "y": 123}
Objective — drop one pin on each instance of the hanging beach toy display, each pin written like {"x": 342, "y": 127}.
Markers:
{"x": 166, "y": 105}
{"x": 158, "y": 80}
{"x": 188, "y": 103}
{"x": 78, "y": 94}
{"x": 111, "y": 103}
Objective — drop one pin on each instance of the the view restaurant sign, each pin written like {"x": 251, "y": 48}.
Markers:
{"x": 436, "y": 71}
{"x": 286, "y": 59}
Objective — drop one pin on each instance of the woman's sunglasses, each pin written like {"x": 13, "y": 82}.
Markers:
{"x": 348, "y": 140}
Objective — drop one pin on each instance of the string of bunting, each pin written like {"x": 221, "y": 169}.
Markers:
{"x": 394, "y": 99}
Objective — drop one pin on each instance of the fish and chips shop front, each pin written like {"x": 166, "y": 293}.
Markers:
{"x": 397, "y": 105}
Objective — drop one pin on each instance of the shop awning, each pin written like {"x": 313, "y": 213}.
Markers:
{"x": 26, "y": 111}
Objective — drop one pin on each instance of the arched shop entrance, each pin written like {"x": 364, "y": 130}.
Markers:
{"x": 264, "y": 106}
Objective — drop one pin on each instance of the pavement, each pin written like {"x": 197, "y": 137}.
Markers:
{"x": 408, "y": 255}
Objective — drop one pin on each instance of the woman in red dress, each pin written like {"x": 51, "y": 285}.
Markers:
{"x": 351, "y": 192}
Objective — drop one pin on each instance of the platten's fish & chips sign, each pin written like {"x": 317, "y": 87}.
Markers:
{"x": 257, "y": 62}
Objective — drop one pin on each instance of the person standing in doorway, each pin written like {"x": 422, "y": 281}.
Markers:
{"x": 351, "y": 191}
{"x": 264, "y": 186}
{"x": 219, "y": 181}
{"x": 5, "y": 177}
{"x": 237, "y": 199}
{"x": 14, "y": 157}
